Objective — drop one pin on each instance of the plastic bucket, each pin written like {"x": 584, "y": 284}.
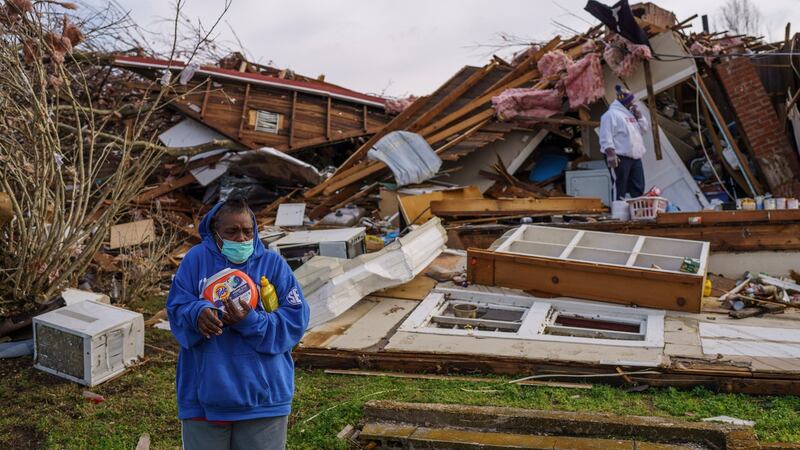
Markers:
{"x": 620, "y": 210}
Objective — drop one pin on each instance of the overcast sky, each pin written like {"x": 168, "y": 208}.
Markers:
{"x": 401, "y": 47}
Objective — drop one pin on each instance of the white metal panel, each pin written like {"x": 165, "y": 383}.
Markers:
{"x": 112, "y": 338}
{"x": 290, "y": 215}
{"x": 317, "y": 236}
{"x": 742, "y": 332}
{"x": 740, "y": 340}
{"x": 750, "y": 348}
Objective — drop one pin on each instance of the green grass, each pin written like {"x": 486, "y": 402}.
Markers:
{"x": 42, "y": 411}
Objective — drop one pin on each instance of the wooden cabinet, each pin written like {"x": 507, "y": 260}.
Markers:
{"x": 620, "y": 268}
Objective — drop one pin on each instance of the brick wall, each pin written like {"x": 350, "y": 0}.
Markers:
{"x": 759, "y": 122}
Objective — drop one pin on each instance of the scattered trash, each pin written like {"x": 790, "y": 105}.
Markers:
{"x": 92, "y": 397}
{"x": 16, "y": 349}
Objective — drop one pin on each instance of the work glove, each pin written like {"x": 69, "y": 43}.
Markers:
{"x": 611, "y": 158}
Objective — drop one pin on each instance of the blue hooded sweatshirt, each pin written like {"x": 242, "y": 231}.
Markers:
{"x": 247, "y": 372}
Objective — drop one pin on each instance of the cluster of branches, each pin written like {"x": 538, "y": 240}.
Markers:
{"x": 70, "y": 167}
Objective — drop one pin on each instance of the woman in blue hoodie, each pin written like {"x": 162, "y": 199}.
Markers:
{"x": 235, "y": 375}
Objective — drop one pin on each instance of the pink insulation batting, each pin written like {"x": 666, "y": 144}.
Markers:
{"x": 527, "y": 103}
{"x": 584, "y": 81}
{"x": 709, "y": 53}
{"x": 396, "y": 106}
{"x": 623, "y": 56}
{"x": 553, "y": 62}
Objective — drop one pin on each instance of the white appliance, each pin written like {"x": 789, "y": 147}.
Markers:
{"x": 87, "y": 342}
{"x": 300, "y": 246}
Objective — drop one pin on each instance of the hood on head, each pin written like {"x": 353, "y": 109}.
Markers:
{"x": 208, "y": 236}
{"x": 616, "y": 104}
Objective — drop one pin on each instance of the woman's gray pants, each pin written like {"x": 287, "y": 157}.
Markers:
{"x": 258, "y": 434}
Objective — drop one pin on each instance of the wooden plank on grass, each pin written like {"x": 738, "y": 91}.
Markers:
{"x": 426, "y": 376}
{"x": 133, "y": 233}
{"x": 505, "y": 207}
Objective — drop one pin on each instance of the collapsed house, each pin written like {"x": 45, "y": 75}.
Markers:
{"x": 483, "y": 208}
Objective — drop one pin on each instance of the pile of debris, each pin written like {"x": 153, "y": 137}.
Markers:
{"x": 755, "y": 295}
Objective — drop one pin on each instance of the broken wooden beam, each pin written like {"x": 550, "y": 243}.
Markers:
{"x": 735, "y": 174}
{"x": 448, "y": 100}
{"x": 753, "y": 185}
{"x": 651, "y": 105}
{"x": 472, "y": 379}
{"x": 165, "y": 188}
{"x": 515, "y": 206}
{"x": 515, "y": 78}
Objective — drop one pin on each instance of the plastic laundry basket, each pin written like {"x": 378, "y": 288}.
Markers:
{"x": 647, "y": 208}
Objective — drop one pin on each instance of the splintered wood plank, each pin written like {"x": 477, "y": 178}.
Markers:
{"x": 503, "y": 207}
{"x": 243, "y": 118}
{"x": 205, "y": 98}
{"x": 426, "y": 376}
{"x": 321, "y": 335}
{"x": 460, "y": 126}
{"x": 133, "y": 233}
{"x": 416, "y": 208}
{"x": 454, "y": 95}
{"x": 165, "y": 188}
{"x": 522, "y": 74}
{"x": 375, "y": 326}
{"x": 715, "y": 141}
{"x": 651, "y": 105}
{"x": 756, "y": 187}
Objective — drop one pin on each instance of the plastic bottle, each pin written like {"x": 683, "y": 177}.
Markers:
{"x": 269, "y": 298}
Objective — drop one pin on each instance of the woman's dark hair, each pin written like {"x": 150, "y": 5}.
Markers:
{"x": 233, "y": 205}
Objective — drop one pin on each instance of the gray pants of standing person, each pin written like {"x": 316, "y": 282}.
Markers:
{"x": 258, "y": 434}
{"x": 628, "y": 178}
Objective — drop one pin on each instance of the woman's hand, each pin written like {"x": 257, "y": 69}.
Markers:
{"x": 234, "y": 314}
{"x": 208, "y": 323}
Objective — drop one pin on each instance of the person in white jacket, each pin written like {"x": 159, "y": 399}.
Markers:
{"x": 621, "y": 131}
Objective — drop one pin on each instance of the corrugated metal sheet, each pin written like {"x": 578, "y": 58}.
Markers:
{"x": 407, "y": 155}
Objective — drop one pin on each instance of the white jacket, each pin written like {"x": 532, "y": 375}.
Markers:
{"x": 620, "y": 130}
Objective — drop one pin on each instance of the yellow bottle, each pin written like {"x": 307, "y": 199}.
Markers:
{"x": 707, "y": 289}
{"x": 268, "y": 296}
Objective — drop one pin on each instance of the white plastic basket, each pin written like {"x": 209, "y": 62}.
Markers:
{"x": 647, "y": 208}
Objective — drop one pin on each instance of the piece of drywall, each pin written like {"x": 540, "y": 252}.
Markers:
{"x": 132, "y": 233}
